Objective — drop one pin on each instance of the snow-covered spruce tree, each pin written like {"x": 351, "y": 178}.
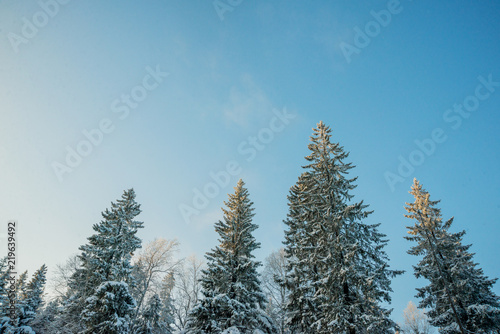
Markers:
{"x": 108, "y": 310}
{"x": 5, "y": 320}
{"x": 28, "y": 301}
{"x": 13, "y": 326}
{"x": 231, "y": 293}
{"x": 338, "y": 272}
{"x": 103, "y": 279}
{"x": 459, "y": 296}
{"x": 32, "y": 297}
{"x": 151, "y": 318}
{"x": 45, "y": 321}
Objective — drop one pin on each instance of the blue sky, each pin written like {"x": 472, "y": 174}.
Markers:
{"x": 218, "y": 83}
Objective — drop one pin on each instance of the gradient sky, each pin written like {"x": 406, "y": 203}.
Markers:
{"x": 227, "y": 78}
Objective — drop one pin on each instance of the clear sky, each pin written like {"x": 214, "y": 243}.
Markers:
{"x": 171, "y": 91}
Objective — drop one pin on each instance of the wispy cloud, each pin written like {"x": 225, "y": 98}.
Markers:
{"x": 247, "y": 103}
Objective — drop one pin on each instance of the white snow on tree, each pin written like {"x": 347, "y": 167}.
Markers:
{"x": 28, "y": 300}
{"x": 415, "y": 321}
{"x": 151, "y": 320}
{"x": 273, "y": 276}
{"x": 45, "y": 321}
{"x": 108, "y": 310}
{"x": 6, "y": 323}
{"x": 231, "y": 294}
{"x": 32, "y": 297}
{"x": 459, "y": 296}
{"x": 338, "y": 273}
{"x": 105, "y": 269}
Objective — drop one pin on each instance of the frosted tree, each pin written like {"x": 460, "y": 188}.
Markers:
{"x": 45, "y": 321}
{"x": 104, "y": 277}
{"x": 5, "y": 319}
{"x": 459, "y": 296}
{"x": 108, "y": 310}
{"x": 273, "y": 276}
{"x": 61, "y": 276}
{"x": 338, "y": 273}
{"x": 151, "y": 318}
{"x": 231, "y": 293}
{"x": 28, "y": 298}
{"x": 187, "y": 290}
{"x": 416, "y": 322}
{"x": 154, "y": 260}
{"x": 32, "y": 297}
{"x": 167, "y": 314}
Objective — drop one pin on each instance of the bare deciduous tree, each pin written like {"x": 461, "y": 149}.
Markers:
{"x": 187, "y": 289}
{"x": 59, "y": 280}
{"x": 273, "y": 273}
{"x": 152, "y": 263}
{"x": 416, "y": 321}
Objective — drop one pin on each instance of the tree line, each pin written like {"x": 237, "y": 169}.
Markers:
{"x": 331, "y": 276}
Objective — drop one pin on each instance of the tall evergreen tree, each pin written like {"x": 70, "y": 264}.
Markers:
{"x": 28, "y": 301}
{"x": 45, "y": 321}
{"x": 338, "y": 272}
{"x": 108, "y": 310}
{"x": 151, "y": 318}
{"x": 231, "y": 295}
{"x": 459, "y": 296}
{"x": 105, "y": 270}
{"x": 6, "y": 323}
{"x": 32, "y": 297}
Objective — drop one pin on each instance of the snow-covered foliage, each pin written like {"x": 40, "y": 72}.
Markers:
{"x": 108, "y": 310}
{"x": 105, "y": 272}
{"x": 151, "y": 320}
{"x": 45, "y": 319}
{"x": 232, "y": 296}
{"x": 28, "y": 298}
{"x": 153, "y": 263}
{"x": 338, "y": 271}
{"x": 32, "y": 297}
{"x": 459, "y": 296}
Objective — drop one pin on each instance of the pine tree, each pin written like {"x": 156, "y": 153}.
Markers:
{"x": 108, "y": 310}
{"x": 5, "y": 317}
{"x": 28, "y": 300}
{"x": 20, "y": 299}
{"x": 45, "y": 321}
{"x": 151, "y": 318}
{"x": 459, "y": 296}
{"x": 32, "y": 297}
{"x": 105, "y": 271}
{"x": 231, "y": 295}
{"x": 337, "y": 272}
